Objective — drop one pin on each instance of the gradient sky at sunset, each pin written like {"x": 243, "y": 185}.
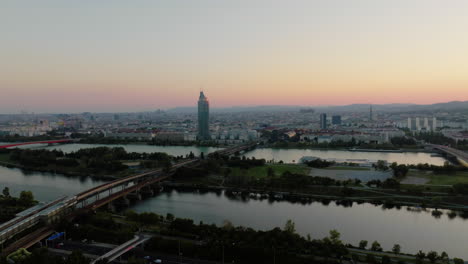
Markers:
{"x": 89, "y": 55}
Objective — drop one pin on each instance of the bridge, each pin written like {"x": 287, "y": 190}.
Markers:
{"x": 120, "y": 190}
{"x": 122, "y": 249}
{"x": 17, "y": 144}
{"x": 461, "y": 156}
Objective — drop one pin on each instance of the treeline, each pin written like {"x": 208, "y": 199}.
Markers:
{"x": 99, "y": 227}
{"x": 389, "y": 183}
{"x": 10, "y": 206}
{"x": 446, "y": 168}
{"x": 239, "y": 244}
{"x": 319, "y": 163}
{"x": 403, "y": 141}
{"x": 334, "y": 145}
{"x": 434, "y": 138}
{"x": 215, "y": 163}
{"x": 100, "y": 160}
{"x": 287, "y": 180}
{"x": 18, "y": 138}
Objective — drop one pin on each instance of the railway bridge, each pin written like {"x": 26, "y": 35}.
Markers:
{"x": 90, "y": 200}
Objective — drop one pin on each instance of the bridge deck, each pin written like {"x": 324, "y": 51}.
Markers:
{"x": 36, "y": 142}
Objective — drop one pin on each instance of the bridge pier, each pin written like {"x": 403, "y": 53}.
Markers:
{"x": 147, "y": 192}
{"x": 135, "y": 196}
{"x": 122, "y": 201}
{"x": 111, "y": 207}
{"x": 157, "y": 188}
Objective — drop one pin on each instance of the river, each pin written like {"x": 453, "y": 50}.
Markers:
{"x": 293, "y": 155}
{"x": 412, "y": 230}
{"x": 45, "y": 186}
{"x": 285, "y": 155}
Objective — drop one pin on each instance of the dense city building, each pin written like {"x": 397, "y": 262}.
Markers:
{"x": 336, "y": 120}
{"x": 203, "y": 117}
{"x": 323, "y": 121}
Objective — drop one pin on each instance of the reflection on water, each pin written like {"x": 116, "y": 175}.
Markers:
{"x": 293, "y": 155}
{"x": 412, "y": 228}
{"x": 45, "y": 186}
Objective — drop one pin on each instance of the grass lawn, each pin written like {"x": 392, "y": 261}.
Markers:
{"x": 441, "y": 179}
{"x": 262, "y": 172}
{"x": 5, "y": 157}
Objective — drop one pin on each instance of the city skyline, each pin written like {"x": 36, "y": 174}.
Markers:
{"x": 149, "y": 55}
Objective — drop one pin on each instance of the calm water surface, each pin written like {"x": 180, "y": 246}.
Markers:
{"x": 412, "y": 230}
{"x": 293, "y": 155}
{"x": 286, "y": 155}
{"x": 45, "y": 186}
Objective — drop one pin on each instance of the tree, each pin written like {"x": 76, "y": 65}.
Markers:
{"x": 363, "y": 244}
{"x": 432, "y": 256}
{"x": 444, "y": 257}
{"x": 335, "y": 237}
{"x": 376, "y": 246}
{"x": 290, "y": 227}
{"x": 170, "y": 217}
{"x": 396, "y": 249}
{"x": 26, "y": 198}
{"x": 202, "y": 155}
{"x": 167, "y": 165}
{"x": 420, "y": 255}
{"x": 6, "y": 192}
{"x": 76, "y": 257}
{"x": 458, "y": 261}
{"x": 227, "y": 172}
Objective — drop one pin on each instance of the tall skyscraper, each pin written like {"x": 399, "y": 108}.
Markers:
{"x": 323, "y": 121}
{"x": 371, "y": 114}
{"x": 203, "y": 117}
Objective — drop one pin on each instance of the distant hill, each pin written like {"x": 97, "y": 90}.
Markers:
{"x": 449, "y": 106}
{"x": 237, "y": 109}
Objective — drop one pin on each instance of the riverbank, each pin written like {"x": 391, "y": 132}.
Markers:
{"x": 6, "y": 162}
{"x": 351, "y": 149}
{"x": 343, "y": 195}
{"x": 355, "y": 221}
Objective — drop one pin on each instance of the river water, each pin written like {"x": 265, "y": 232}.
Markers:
{"x": 285, "y": 155}
{"x": 293, "y": 155}
{"x": 412, "y": 230}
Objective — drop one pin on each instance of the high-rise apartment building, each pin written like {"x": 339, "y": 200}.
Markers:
{"x": 426, "y": 124}
{"x": 323, "y": 121}
{"x": 203, "y": 117}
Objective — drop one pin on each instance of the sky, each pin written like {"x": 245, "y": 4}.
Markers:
{"x": 104, "y": 56}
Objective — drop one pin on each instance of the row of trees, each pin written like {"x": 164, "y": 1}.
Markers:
{"x": 319, "y": 163}
{"x": 100, "y": 160}
{"x": 10, "y": 206}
